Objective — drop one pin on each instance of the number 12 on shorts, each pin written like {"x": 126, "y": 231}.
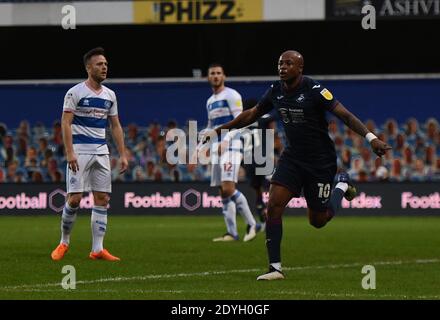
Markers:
{"x": 227, "y": 167}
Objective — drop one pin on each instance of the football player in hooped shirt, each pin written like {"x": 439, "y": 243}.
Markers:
{"x": 88, "y": 107}
{"x": 308, "y": 163}
{"x": 224, "y": 105}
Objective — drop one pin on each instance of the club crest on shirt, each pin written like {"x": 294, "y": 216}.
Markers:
{"x": 326, "y": 94}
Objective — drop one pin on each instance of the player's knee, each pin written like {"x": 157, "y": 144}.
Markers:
{"x": 74, "y": 200}
{"x": 318, "y": 224}
{"x": 227, "y": 191}
{"x": 318, "y": 220}
{"x": 274, "y": 209}
{"x": 102, "y": 199}
{"x": 275, "y": 202}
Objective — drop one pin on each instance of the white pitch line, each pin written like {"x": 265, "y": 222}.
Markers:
{"x": 237, "y": 292}
{"x": 136, "y": 278}
{"x": 353, "y": 295}
{"x": 213, "y": 273}
{"x": 358, "y": 264}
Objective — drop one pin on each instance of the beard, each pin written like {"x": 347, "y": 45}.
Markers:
{"x": 99, "y": 78}
{"x": 216, "y": 84}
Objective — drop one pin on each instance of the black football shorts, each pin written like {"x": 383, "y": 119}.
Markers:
{"x": 315, "y": 182}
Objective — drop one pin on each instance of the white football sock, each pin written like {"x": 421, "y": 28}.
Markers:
{"x": 229, "y": 213}
{"x": 99, "y": 226}
{"x": 243, "y": 207}
{"x": 342, "y": 185}
{"x": 67, "y": 221}
{"x": 276, "y": 265}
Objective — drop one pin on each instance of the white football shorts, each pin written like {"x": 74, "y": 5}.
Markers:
{"x": 94, "y": 174}
{"x": 227, "y": 169}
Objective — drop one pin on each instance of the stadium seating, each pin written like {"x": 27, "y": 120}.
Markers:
{"x": 36, "y": 154}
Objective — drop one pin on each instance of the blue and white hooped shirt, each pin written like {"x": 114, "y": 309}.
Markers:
{"x": 222, "y": 108}
{"x": 90, "y": 112}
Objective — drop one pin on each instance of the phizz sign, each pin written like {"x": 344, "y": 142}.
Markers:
{"x": 198, "y": 198}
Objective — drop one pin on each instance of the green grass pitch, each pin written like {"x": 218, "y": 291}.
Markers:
{"x": 173, "y": 257}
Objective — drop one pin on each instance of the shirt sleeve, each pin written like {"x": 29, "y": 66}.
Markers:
{"x": 209, "y": 124}
{"x": 265, "y": 104}
{"x": 113, "y": 111}
{"x": 235, "y": 104}
{"x": 70, "y": 101}
{"x": 323, "y": 97}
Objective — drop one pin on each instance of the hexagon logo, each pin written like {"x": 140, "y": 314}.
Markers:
{"x": 55, "y": 200}
{"x": 185, "y": 202}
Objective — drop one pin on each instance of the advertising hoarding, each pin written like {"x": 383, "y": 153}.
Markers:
{"x": 374, "y": 199}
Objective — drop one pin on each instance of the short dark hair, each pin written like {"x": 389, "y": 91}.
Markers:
{"x": 215, "y": 65}
{"x": 94, "y": 52}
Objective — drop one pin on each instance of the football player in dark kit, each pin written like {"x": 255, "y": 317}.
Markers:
{"x": 308, "y": 162}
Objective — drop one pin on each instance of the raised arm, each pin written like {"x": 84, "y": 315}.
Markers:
{"x": 350, "y": 120}
{"x": 244, "y": 119}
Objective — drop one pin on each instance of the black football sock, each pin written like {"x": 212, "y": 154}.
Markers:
{"x": 335, "y": 202}
{"x": 274, "y": 233}
{"x": 260, "y": 207}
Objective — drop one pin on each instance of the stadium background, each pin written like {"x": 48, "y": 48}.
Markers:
{"x": 389, "y": 77}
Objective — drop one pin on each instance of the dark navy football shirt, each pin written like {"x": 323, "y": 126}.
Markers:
{"x": 303, "y": 114}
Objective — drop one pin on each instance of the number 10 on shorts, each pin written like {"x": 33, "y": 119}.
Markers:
{"x": 324, "y": 190}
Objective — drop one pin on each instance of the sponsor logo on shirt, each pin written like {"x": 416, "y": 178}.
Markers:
{"x": 326, "y": 94}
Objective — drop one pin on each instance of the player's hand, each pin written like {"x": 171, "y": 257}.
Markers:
{"x": 205, "y": 134}
{"x": 124, "y": 165}
{"x": 73, "y": 162}
{"x": 379, "y": 147}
